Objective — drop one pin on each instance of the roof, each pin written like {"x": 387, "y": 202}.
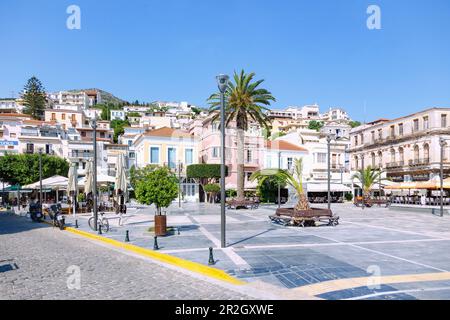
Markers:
{"x": 21, "y": 115}
{"x": 39, "y": 122}
{"x": 284, "y": 145}
{"x": 167, "y": 132}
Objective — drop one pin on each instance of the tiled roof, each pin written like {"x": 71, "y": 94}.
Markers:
{"x": 284, "y": 145}
{"x": 168, "y": 132}
{"x": 15, "y": 115}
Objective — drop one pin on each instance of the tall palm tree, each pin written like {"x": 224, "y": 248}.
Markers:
{"x": 246, "y": 102}
{"x": 294, "y": 179}
{"x": 367, "y": 178}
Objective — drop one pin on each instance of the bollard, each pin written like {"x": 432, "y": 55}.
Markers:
{"x": 76, "y": 224}
{"x": 155, "y": 244}
{"x": 211, "y": 257}
{"x": 178, "y": 229}
{"x": 127, "y": 236}
{"x": 99, "y": 229}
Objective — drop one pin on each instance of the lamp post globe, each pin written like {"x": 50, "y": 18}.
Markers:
{"x": 222, "y": 82}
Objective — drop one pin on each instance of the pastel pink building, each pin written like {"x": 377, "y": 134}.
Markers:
{"x": 209, "y": 149}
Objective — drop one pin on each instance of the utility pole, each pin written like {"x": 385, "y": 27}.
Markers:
{"x": 329, "y": 171}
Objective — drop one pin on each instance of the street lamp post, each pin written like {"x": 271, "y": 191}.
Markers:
{"x": 362, "y": 181}
{"x": 442, "y": 144}
{"x": 40, "y": 178}
{"x": 222, "y": 81}
{"x": 179, "y": 183}
{"x": 279, "y": 186}
{"x": 329, "y": 138}
{"x": 94, "y": 177}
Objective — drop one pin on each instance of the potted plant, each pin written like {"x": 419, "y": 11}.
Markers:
{"x": 158, "y": 187}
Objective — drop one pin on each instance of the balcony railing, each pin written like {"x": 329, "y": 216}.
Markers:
{"x": 81, "y": 154}
{"x": 419, "y": 162}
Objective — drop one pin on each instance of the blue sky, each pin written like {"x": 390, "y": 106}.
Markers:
{"x": 307, "y": 51}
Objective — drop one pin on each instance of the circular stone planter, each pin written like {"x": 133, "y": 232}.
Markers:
{"x": 305, "y": 218}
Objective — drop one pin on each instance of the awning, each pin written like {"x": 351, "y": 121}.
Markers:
{"x": 55, "y": 182}
{"x": 323, "y": 187}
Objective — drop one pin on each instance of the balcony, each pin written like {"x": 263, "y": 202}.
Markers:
{"x": 81, "y": 155}
{"x": 419, "y": 162}
{"x": 394, "y": 165}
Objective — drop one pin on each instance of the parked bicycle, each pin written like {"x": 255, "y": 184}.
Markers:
{"x": 101, "y": 222}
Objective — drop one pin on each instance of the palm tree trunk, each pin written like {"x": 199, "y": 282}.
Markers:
{"x": 303, "y": 203}
{"x": 240, "y": 152}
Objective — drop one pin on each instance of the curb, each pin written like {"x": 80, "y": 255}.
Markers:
{"x": 162, "y": 257}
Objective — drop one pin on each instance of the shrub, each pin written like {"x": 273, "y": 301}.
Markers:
{"x": 212, "y": 188}
{"x": 348, "y": 196}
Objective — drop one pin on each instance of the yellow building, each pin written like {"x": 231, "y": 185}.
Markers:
{"x": 172, "y": 148}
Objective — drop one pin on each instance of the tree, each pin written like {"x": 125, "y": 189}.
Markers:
{"x": 245, "y": 102}
{"x": 315, "y": 125}
{"x": 295, "y": 180}
{"x": 354, "y": 124}
{"x": 140, "y": 173}
{"x": 268, "y": 189}
{"x": 118, "y": 126}
{"x": 24, "y": 168}
{"x": 367, "y": 178}
{"x": 204, "y": 174}
{"x": 34, "y": 98}
{"x": 158, "y": 187}
{"x": 212, "y": 190}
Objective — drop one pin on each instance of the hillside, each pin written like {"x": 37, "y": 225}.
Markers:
{"x": 106, "y": 97}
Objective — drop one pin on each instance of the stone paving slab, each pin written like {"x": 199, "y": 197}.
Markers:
{"x": 395, "y": 242}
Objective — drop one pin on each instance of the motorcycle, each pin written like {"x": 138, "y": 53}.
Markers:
{"x": 55, "y": 213}
{"x": 36, "y": 213}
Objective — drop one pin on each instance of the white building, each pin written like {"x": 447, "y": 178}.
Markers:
{"x": 118, "y": 115}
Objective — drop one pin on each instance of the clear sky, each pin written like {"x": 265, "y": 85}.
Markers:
{"x": 317, "y": 51}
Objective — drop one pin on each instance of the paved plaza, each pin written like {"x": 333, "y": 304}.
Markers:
{"x": 376, "y": 253}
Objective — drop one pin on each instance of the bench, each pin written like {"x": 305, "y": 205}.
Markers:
{"x": 249, "y": 204}
{"x": 304, "y": 218}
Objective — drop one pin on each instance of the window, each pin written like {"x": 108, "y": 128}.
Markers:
{"x": 373, "y": 160}
{"x": 380, "y": 159}
{"x": 214, "y": 126}
{"x": 425, "y": 123}
{"x": 48, "y": 148}
{"x": 401, "y": 156}
{"x": 130, "y": 142}
{"x": 154, "y": 155}
{"x": 12, "y": 135}
{"x": 63, "y": 116}
{"x": 416, "y": 154}
{"x": 373, "y": 136}
{"x": 380, "y": 134}
{"x": 53, "y": 116}
{"x": 356, "y": 140}
{"x": 416, "y": 125}
{"x": 172, "y": 157}
{"x": 30, "y": 148}
{"x": 189, "y": 156}
{"x": 362, "y": 138}
{"x": 392, "y": 135}
{"x": 289, "y": 163}
{"x": 426, "y": 153}
{"x": 131, "y": 155}
{"x": 321, "y": 158}
{"x": 1, "y": 134}
{"x": 249, "y": 156}
{"x": 400, "y": 129}
{"x": 392, "y": 156}
{"x": 443, "y": 121}
{"x": 73, "y": 118}
{"x": 215, "y": 152}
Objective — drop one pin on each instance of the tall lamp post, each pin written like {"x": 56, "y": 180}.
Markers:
{"x": 329, "y": 138}
{"x": 442, "y": 143}
{"x": 222, "y": 82}
{"x": 180, "y": 168}
{"x": 40, "y": 178}
{"x": 94, "y": 177}
{"x": 362, "y": 181}
{"x": 279, "y": 186}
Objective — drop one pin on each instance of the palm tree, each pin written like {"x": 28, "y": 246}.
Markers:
{"x": 295, "y": 180}
{"x": 367, "y": 178}
{"x": 246, "y": 102}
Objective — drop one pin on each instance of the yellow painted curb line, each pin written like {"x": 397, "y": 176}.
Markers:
{"x": 345, "y": 284}
{"x": 185, "y": 264}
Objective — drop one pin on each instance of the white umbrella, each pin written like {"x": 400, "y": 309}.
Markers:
{"x": 88, "y": 180}
{"x": 72, "y": 185}
{"x": 120, "y": 180}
